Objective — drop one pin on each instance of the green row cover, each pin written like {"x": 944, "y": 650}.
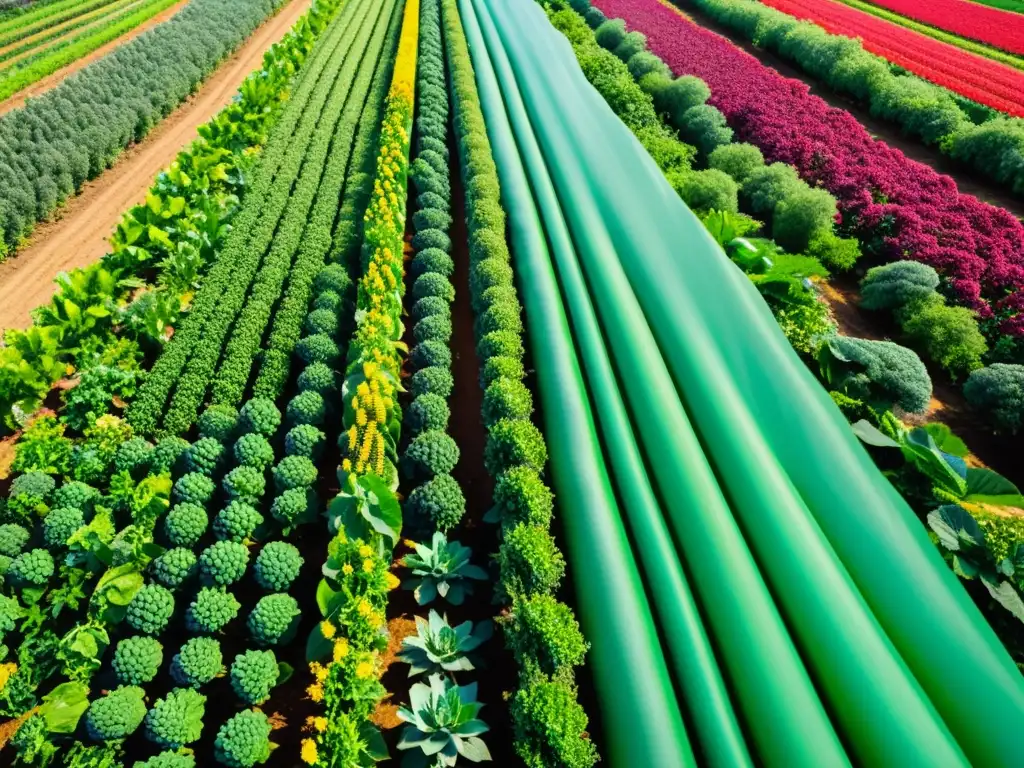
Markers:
{"x": 804, "y": 614}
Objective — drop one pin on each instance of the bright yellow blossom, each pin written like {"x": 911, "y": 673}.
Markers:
{"x": 308, "y": 753}
{"x": 327, "y": 629}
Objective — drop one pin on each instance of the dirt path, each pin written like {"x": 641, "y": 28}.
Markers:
{"x": 79, "y": 237}
{"x": 48, "y": 82}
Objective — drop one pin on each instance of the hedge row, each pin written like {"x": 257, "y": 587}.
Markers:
{"x": 236, "y": 263}
{"x": 90, "y": 15}
{"x": 548, "y": 722}
{"x": 72, "y": 132}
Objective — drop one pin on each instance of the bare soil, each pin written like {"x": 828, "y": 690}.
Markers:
{"x": 78, "y": 236}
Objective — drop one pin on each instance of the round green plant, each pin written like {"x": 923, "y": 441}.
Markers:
{"x": 277, "y": 566}
{"x": 211, "y": 610}
{"x": 137, "y": 659}
{"x": 223, "y": 562}
{"x": 151, "y": 609}
{"x": 274, "y": 619}
{"x": 197, "y": 662}
{"x": 253, "y": 676}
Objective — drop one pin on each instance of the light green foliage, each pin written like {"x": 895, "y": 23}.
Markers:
{"x": 894, "y": 285}
{"x": 137, "y": 659}
{"x": 521, "y": 496}
{"x": 436, "y": 380}
{"x": 543, "y": 634}
{"x": 318, "y": 348}
{"x": 514, "y": 441}
{"x": 442, "y": 722}
{"x": 133, "y": 456}
{"x": 150, "y": 609}
{"x": 947, "y": 335}
{"x": 997, "y": 394}
{"x": 273, "y": 619}
{"x": 59, "y": 524}
{"x": 116, "y": 715}
{"x": 611, "y": 33}
{"x": 318, "y": 377}
{"x": 439, "y": 500}
{"x": 166, "y": 454}
{"x": 499, "y": 316}
{"x": 277, "y": 566}
{"x": 169, "y": 760}
{"x": 244, "y": 740}
{"x": 307, "y": 408}
{"x": 633, "y": 43}
{"x": 550, "y": 727}
{"x": 498, "y": 366}
{"x": 768, "y": 186}
{"x": 304, "y": 440}
{"x": 877, "y": 371}
{"x": 32, "y": 568}
{"x": 739, "y": 160}
{"x": 29, "y": 493}
{"x": 438, "y": 647}
{"x": 500, "y": 343}
{"x": 223, "y": 562}
{"x": 706, "y": 190}
{"x": 206, "y": 456}
{"x": 677, "y": 97}
{"x": 77, "y": 495}
{"x": 442, "y": 568}
{"x": 43, "y": 447}
{"x": 254, "y": 450}
{"x": 506, "y": 398}
{"x": 245, "y": 484}
{"x": 430, "y": 453}
{"x": 427, "y": 412}
{"x": 237, "y": 521}
{"x": 261, "y": 416}
{"x": 294, "y": 472}
{"x": 836, "y": 253}
{"x": 197, "y": 663}
{"x": 292, "y": 505}
{"x": 13, "y": 539}
{"x": 704, "y": 127}
{"x": 529, "y": 563}
{"x": 219, "y": 422}
{"x": 800, "y": 217}
{"x": 174, "y": 566}
{"x": 253, "y": 676}
{"x": 646, "y": 63}
{"x": 176, "y": 719}
{"x": 211, "y": 609}
{"x": 185, "y": 524}
{"x": 194, "y": 488}
{"x": 804, "y": 324}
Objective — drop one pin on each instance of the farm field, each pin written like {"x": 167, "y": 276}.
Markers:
{"x": 474, "y": 352}
{"x": 995, "y": 27}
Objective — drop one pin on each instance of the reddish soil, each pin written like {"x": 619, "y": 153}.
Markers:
{"x": 48, "y": 82}
{"x": 78, "y": 236}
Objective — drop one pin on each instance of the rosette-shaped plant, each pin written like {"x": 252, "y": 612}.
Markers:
{"x": 77, "y": 495}
{"x": 274, "y": 619}
{"x": 428, "y": 353}
{"x": 435, "y": 379}
{"x": 176, "y": 719}
{"x": 498, "y": 366}
{"x": 211, "y": 610}
{"x": 237, "y": 521}
{"x": 318, "y": 377}
{"x": 292, "y": 506}
{"x": 31, "y": 569}
{"x": 13, "y": 539}
{"x": 442, "y": 569}
{"x": 439, "y": 500}
{"x": 318, "y": 348}
{"x": 253, "y": 675}
{"x": 59, "y": 524}
{"x": 219, "y": 422}
{"x": 323, "y": 321}
{"x": 431, "y": 453}
{"x": 223, "y": 562}
{"x": 116, "y": 715}
{"x": 442, "y": 722}
{"x": 167, "y": 454}
{"x": 245, "y": 484}
{"x": 254, "y": 450}
{"x": 277, "y": 566}
{"x": 514, "y": 441}
{"x": 438, "y": 647}
{"x": 194, "y": 488}
{"x": 29, "y": 494}
{"x": 428, "y": 307}
{"x": 261, "y": 416}
{"x": 185, "y": 524}
{"x": 307, "y": 408}
{"x": 197, "y": 662}
{"x": 304, "y": 440}
{"x": 169, "y": 760}
{"x": 134, "y": 456}
{"x": 244, "y": 740}
{"x": 294, "y": 472}
{"x": 428, "y": 412}
{"x": 174, "y": 566}
{"x": 150, "y": 609}
{"x": 137, "y": 659}
{"x": 206, "y": 456}
{"x": 436, "y": 328}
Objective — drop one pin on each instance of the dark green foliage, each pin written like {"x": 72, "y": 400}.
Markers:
{"x": 304, "y": 440}
{"x": 206, "y": 456}
{"x": 506, "y": 399}
{"x": 610, "y": 34}
{"x": 244, "y": 740}
{"x": 328, "y": 300}
{"x": 323, "y": 321}
{"x": 274, "y": 619}
{"x": 876, "y": 371}
{"x": 709, "y": 190}
{"x": 292, "y": 505}
{"x": 529, "y": 562}
{"x": 245, "y": 484}
{"x": 318, "y": 377}
{"x": 429, "y": 306}
{"x": 219, "y": 422}
{"x": 211, "y": 609}
{"x": 947, "y": 335}
{"x": 254, "y": 450}
{"x": 520, "y": 496}
{"x": 997, "y": 394}
{"x": 800, "y": 217}
{"x": 137, "y": 659}
{"x": 427, "y": 412}
{"x": 739, "y": 160}
{"x": 894, "y": 285}
{"x": 307, "y": 408}
{"x": 59, "y": 524}
{"x": 261, "y": 416}
{"x": 334, "y": 278}
{"x": 432, "y": 260}
{"x": 169, "y": 760}
{"x": 76, "y": 494}
{"x": 150, "y": 609}
{"x": 223, "y": 562}
{"x": 194, "y": 488}
{"x": 31, "y": 569}
{"x": 277, "y": 566}
{"x": 197, "y": 663}
{"x": 253, "y": 676}
{"x": 174, "y": 566}
{"x": 116, "y": 715}
{"x": 543, "y": 634}
{"x": 633, "y": 43}
{"x": 318, "y": 348}
{"x": 13, "y": 539}
{"x": 439, "y": 500}
{"x": 550, "y": 727}
{"x": 436, "y": 328}
{"x": 176, "y": 719}
{"x": 185, "y": 524}
{"x": 429, "y": 353}
{"x": 432, "y": 218}
{"x": 704, "y": 127}
{"x": 498, "y": 366}
{"x": 594, "y": 17}
{"x": 430, "y": 453}
{"x": 433, "y": 284}
{"x": 294, "y": 472}
{"x": 133, "y": 456}
{"x": 434, "y": 380}
{"x": 511, "y": 442}
{"x": 167, "y": 453}
{"x": 237, "y": 522}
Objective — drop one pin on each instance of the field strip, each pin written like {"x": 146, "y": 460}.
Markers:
{"x": 79, "y": 237}
{"x": 48, "y": 82}
{"x": 62, "y": 26}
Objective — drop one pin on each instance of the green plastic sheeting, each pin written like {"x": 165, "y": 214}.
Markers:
{"x": 792, "y": 564}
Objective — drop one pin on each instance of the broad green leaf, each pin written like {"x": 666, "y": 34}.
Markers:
{"x": 956, "y": 528}
{"x": 985, "y": 482}
{"x": 870, "y": 435}
{"x": 1007, "y": 596}
{"x": 64, "y": 706}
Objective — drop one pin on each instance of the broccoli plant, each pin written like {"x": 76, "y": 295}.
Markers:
{"x": 219, "y": 422}
{"x": 245, "y": 484}
{"x": 294, "y": 472}
{"x": 29, "y": 495}
{"x": 260, "y": 416}
{"x": 185, "y": 524}
{"x": 244, "y": 740}
{"x": 442, "y": 722}
{"x": 277, "y": 566}
{"x": 997, "y": 393}
{"x": 254, "y": 450}
{"x": 274, "y": 619}
{"x": 174, "y": 567}
{"x": 442, "y": 569}
{"x": 31, "y": 569}
{"x": 59, "y": 525}
{"x": 223, "y": 562}
{"x": 197, "y": 662}
{"x": 13, "y": 539}
{"x": 439, "y": 500}
{"x": 430, "y": 453}
{"x": 237, "y": 522}
{"x": 879, "y": 371}
{"x": 253, "y": 675}
{"x": 304, "y": 440}
{"x": 169, "y": 759}
{"x": 438, "y": 647}
{"x": 211, "y": 610}
{"x": 194, "y": 488}
{"x": 137, "y": 659}
{"x": 205, "y": 456}
{"x": 176, "y": 719}
{"x": 151, "y": 609}
{"x": 116, "y": 715}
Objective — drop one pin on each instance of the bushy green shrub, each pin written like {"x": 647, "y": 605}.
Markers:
{"x": 704, "y": 127}
{"x": 739, "y": 160}
{"x": 837, "y": 253}
{"x": 433, "y": 284}
{"x": 197, "y": 662}
{"x": 633, "y": 43}
{"x": 307, "y": 408}
{"x": 13, "y": 539}
{"x": 610, "y": 34}
{"x": 151, "y": 609}
{"x": 292, "y": 505}
{"x": 706, "y": 190}
{"x": 676, "y": 97}
{"x": 427, "y": 412}
{"x": 59, "y": 524}
{"x": 211, "y": 609}
{"x": 503, "y": 343}
{"x": 277, "y": 566}
{"x": 435, "y": 379}
{"x": 520, "y": 495}
{"x": 253, "y": 676}
{"x": 499, "y": 366}
{"x": 768, "y": 186}
{"x": 274, "y": 619}
{"x": 436, "y": 328}
{"x": 500, "y": 316}
{"x": 997, "y": 393}
{"x": 334, "y": 278}
{"x": 133, "y": 456}
{"x": 29, "y": 493}
{"x": 876, "y": 371}
{"x": 245, "y": 484}
{"x": 430, "y": 353}
{"x": 304, "y": 440}
{"x": 439, "y": 500}
{"x": 31, "y": 569}
{"x": 206, "y": 456}
{"x": 543, "y": 634}
{"x": 193, "y": 488}
{"x": 117, "y": 715}
{"x": 549, "y": 726}
{"x": 261, "y": 416}
{"x": 219, "y": 422}
{"x": 167, "y": 453}
{"x": 137, "y": 659}
{"x": 169, "y": 760}
{"x": 529, "y": 562}
{"x": 185, "y": 524}
{"x": 947, "y": 335}
{"x": 254, "y": 450}
{"x": 894, "y": 285}
{"x": 323, "y": 321}
{"x": 294, "y": 472}
{"x": 801, "y": 216}
{"x": 514, "y": 441}
{"x": 318, "y": 377}
{"x": 244, "y": 740}
{"x": 176, "y": 719}
{"x": 174, "y": 566}
{"x": 428, "y": 307}
{"x": 594, "y": 17}
{"x": 77, "y": 495}
{"x": 646, "y": 63}
{"x": 506, "y": 399}
{"x": 223, "y": 562}
{"x": 485, "y": 274}
{"x": 430, "y": 453}
{"x": 237, "y": 521}
{"x": 318, "y": 348}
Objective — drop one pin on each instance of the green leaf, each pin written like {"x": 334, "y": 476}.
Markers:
{"x": 284, "y": 672}
{"x": 985, "y": 482}
{"x": 946, "y": 441}
{"x": 318, "y": 647}
{"x": 64, "y": 706}
{"x": 956, "y": 528}
{"x": 324, "y": 596}
{"x": 1006, "y": 595}
{"x": 870, "y": 435}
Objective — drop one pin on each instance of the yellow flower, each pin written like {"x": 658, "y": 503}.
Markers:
{"x": 6, "y": 672}
{"x": 367, "y": 566}
{"x": 391, "y": 580}
{"x": 347, "y": 569}
{"x": 308, "y": 753}
{"x": 327, "y": 629}
{"x": 316, "y": 692}
{"x": 365, "y": 551}
{"x": 346, "y": 465}
{"x": 409, "y": 543}
{"x": 364, "y": 669}
{"x": 340, "y": 650}
{"x": 320, "y": 724}
{"x": 364, "y": 608}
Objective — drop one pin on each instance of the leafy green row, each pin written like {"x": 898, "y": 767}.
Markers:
{"x": 331, "y": 140}
{"x": 41, "y": 16}
{"x": 548, "y": 722}
{"x": 146, "y": 410}
{"x": 91, "y": 16}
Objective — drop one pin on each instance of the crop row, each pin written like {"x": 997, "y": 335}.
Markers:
{"x": 997, "y": 28}
{"x": 34, "y": 37}
{"x": 252, "y": 232}
{"x": 41, "y": 16}
{"x": 49, "y": 148}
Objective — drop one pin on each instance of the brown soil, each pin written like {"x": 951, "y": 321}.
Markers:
{"x": 48, "y": 82}
{"x": 58, "y": 27}
{"x": 79, "y": 236}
